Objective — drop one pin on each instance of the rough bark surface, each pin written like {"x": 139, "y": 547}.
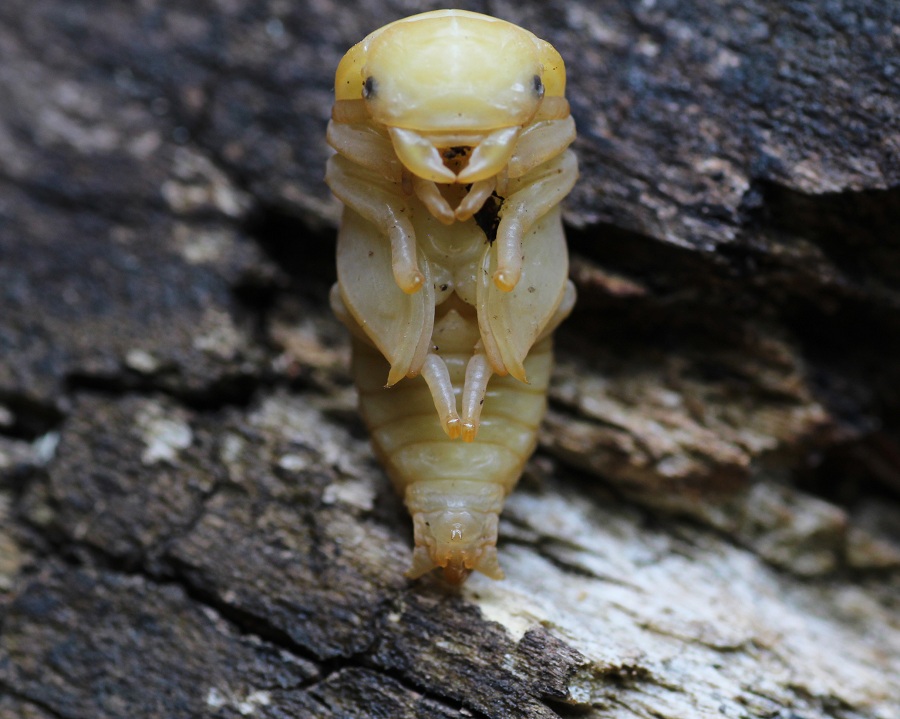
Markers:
{"x": 191, "y": 521}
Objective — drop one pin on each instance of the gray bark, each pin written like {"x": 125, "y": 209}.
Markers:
{"x": 191, "y": 521}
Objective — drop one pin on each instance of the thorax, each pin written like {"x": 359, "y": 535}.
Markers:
{"x": 454, "y": 252}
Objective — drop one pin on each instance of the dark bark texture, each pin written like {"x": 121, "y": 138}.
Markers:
{"x": 191, "y": 520}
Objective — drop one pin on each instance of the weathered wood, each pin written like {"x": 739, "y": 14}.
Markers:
{"x": 191, "y": 522}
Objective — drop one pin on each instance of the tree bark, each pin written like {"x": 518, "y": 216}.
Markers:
{"x": 191, "y": 520}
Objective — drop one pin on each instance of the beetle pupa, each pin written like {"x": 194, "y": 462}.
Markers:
{"x": 451, "y": 131}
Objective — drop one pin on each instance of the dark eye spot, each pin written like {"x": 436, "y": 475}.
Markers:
{"x": 369, "y": 87}
{"x": 537, "y": 85}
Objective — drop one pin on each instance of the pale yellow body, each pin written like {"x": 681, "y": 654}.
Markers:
{"x": 451, "y": 131}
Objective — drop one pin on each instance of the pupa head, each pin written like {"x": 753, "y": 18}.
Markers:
{"x": 451, "y": 84}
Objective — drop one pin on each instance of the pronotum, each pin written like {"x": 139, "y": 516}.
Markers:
{"x": 451, "y": 132}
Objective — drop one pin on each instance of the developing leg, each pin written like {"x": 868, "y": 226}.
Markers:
{"x": 540, "y": 143}
{"x": 478, "y": 373}
{"x": 532, "y": 197}
{"x": 380, "y": 202}
{"x": 435, "y": 373}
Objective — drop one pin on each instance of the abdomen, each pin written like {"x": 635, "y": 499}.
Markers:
{"x": 407, "y": 436}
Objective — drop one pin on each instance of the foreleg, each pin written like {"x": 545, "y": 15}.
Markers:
{"x": 532, "y": 197}
{"x": 540, "y": 143}
{"x": 380, "y": 202}
{"x": 366, "y": 146}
